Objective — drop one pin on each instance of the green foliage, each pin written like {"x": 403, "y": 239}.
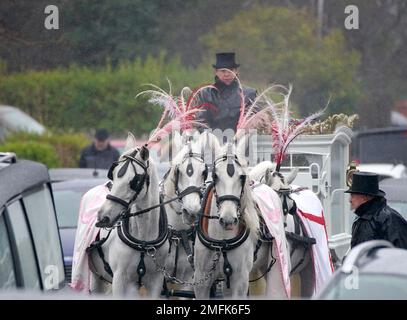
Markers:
{"x": 65, "y": 147}
{"x": 32, "y": 150}
{"x": 81, "y": 98}
{"x": 280, "y": 45}
{"x": 120, "y": 29}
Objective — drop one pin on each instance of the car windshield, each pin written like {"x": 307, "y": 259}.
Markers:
{"x": 369, "y": 286}
{"x": 16, "y": 120}
{"x": 67, "y": 204}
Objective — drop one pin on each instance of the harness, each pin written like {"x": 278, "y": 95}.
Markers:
{"x": 190, "y": 171}
{"x": 230, "y": 169}
{"x": 149, "y": 247}
{"x": 224, "y": 245}
{"x": 295, "y": 237}
{"x": 123, "y": 231}
{"x": 182, "y": 237}
{"x": 265, "y": 236}
{"x": 141, "y": 245}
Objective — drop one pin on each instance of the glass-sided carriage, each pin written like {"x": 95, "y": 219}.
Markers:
{"x": 322, "y": 160}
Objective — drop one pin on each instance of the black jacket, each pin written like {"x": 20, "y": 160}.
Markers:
{"x": 220, "y": 108}
{"x": 376, "y": 220}
{"x": 93, "y": 158}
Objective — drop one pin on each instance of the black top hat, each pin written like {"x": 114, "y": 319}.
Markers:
{"x": 225, "y": 60}
{"x": 365, "y": 183}
{"x": 101, "y": 134}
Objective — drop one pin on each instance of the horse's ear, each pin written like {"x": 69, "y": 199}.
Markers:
{"x": 210, "y": 141}
{"x": 268, "y": 178}
{"x": 144, "y": 153}
{"x": 292, "y": 176}
{"x": 241, "y": 146}
{"x": 189, "y": 135}
{"x": 130, "y": 142}
{"x": 176, "y": 143}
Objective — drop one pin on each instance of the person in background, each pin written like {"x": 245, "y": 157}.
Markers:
{"x": 220, "y": 105}
{"x": 375, "y": 219}
{"x": 100, "y": 154}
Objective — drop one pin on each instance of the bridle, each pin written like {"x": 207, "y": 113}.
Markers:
{"x": 230, "y": 169}
{"x": 190, "y": 171}
{"x": 136, "y": 184}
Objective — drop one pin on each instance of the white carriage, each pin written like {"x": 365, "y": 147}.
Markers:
{"x": 322, "y": 160}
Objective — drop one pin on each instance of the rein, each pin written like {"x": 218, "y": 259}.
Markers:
{"x": 187, "y": 191}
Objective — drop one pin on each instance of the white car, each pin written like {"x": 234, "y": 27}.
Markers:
{"x": 385, "y": 170}
{"x": 13, "y": 119}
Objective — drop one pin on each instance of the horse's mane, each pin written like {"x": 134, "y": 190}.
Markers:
{"x": 259, "y": 170}
{"x": 250, "y": 216}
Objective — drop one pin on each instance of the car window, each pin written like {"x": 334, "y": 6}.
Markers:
{"x": 25, "y": 250}
{"x": 44, "y": 228}
{"x": 67, "y": 205}
{"x": 392, "y": 146}
{"x": 7, "y": 274}
{"x": 369, "y": 286}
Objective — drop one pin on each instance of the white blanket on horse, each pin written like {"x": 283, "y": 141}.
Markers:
{"x": 86, "y": 233}
{"x": 311, "y": 212}
{"x": 269, "y": 204}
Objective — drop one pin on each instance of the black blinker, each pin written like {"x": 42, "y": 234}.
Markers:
{"x": 123, "y": 169}
{"x": 136, "y": 184}
{"x": 110, "y": 172}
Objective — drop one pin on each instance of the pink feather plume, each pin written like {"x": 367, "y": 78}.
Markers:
{"x": 178, "y": 111}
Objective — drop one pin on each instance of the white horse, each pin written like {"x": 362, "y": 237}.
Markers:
{"x": 136, "y": 244}
{"x": 229, "y": 230}
{"x": 187, "y": 175}
{"x": 300, "y": 251}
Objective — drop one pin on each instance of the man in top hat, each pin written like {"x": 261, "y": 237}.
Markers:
{"x": 220, "y": 106}
{"x": 100, "y": 154}
{"x": 375, "y": 219}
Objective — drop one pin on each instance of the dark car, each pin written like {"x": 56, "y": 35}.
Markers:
{"x": 396, "y": 194}
{"x": 69, "y": 185}
{"x": 30, "y": 245}
{"x": 373, "y": 270}
{"x": 392, "y": 142}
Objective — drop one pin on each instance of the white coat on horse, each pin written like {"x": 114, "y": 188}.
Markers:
{"x": 186, "y": 179}
{"x": 228, "y": 230}
{"x": 137, "y": 242}
{"x": 311, "y": 263}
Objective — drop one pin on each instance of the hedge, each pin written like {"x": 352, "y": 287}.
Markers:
{"x": 82, "y": 99}
{"x": 52, "y": 149}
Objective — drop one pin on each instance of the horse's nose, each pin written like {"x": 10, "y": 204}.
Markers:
{"x": 105, "y": 221}
{"x": 228, "y": 223}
